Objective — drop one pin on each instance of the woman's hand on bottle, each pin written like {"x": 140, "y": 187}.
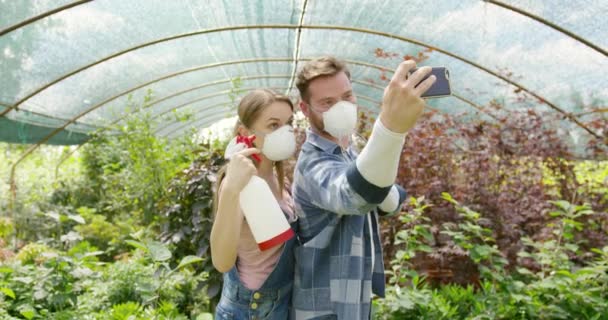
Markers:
{"x": 240, "y": 170}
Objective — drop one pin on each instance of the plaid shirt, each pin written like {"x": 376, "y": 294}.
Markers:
{"x": 339, "y": 263}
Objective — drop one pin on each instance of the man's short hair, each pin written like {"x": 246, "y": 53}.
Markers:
{"x": 320, "y": 67}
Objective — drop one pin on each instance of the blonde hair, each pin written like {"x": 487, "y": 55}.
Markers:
{"x": 319, "y": 67}
{"x": 249, "y": 110}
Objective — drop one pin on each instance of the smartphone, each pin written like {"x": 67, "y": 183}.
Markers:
{"x": 441, "y": 87}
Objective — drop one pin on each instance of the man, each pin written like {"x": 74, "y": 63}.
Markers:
{"x": 339, "y": 194}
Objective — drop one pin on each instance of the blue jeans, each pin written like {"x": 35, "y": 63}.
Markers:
{"x": 271, "y": 301}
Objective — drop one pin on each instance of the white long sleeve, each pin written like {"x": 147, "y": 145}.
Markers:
{"x": 379, "y": 160}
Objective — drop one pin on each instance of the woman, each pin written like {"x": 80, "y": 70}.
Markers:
{"x": 257, "y": 284}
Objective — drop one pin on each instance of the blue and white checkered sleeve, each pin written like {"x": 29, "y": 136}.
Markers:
{"x": 337, "y": 186}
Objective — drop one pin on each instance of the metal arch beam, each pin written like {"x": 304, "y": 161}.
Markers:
{"x": 494, "y": 2}
{"x": 372, "y": 85}
{"x": 600, "y": 110}
{"x": 469, "y": 62}
{"x": 314, "y": 27}
{"x": 198, "y": 121}
{"x": 377, "y": 103}
{"x": 296, "y": 53}
{"x": 171, "y": 75}
{"x": 181, "y": 129}
{"x": 208, "y": 84}
{"x": 219, "y": 93}
{"x": 198, "y": 68}
{"x": 354, "y": 81}
{"x": 227, "y": 80}
{"x": 55, "y": 132}
{"x": 354, "y": 62}
{"x": 359, "y": 96}
{"x": 203, "y": 67}
{"x": 140, "y": 46}
{"x": 227, "y": 91}
{"x": 6, "y": 105}
{"x": 69, "y": 154}
{"x": 474, "y": 105}
{"x": 205, "y": 97}
{"x": 454, "y": 94}
{"x": 549, "y": 24}
{"x": 214, "y": 110}
{"x": 369, "y": 99}
{"x": 362, "y": 97}
{"x": 41, "y": 16}
{"x": 210, "y": 110}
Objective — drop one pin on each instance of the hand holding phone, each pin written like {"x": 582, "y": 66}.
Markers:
{"x": 402, "y": 103}
{"x": 441, "y": 87}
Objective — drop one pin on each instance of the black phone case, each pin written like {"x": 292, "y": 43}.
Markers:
{"x": 441, "y": 87}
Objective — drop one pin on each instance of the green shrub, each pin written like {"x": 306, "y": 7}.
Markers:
{"x": 77, "y": 286}
{"x": 187, "y": 214}
{"x": 99, "y": 232}
{"x": 6, "y": 228}
{"x": 548, "y": 284}
{"x": 32, "y": 253}
{"x": 126, "y": 311}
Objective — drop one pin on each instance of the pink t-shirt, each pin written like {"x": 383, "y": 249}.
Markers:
{"x": 254, "y": 266}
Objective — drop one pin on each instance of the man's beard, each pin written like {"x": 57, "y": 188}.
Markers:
{"x": 316, "y": 122}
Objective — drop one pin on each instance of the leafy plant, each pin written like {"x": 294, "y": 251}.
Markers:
{"x": 6, "y": 228}
{"x": 416, "y": 237}
{"x": 556, "y": 287}
{"x": 187, "y": 214}
{"x": 478, "y": 241}
{"x": 32, "y": 253}
{"x": 50, "y": 287}
{"x": 167, "y": 280}
{"x": 126, "y": 311}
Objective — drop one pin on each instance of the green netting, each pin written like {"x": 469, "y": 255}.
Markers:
{"x": 12, "y": 14}
{"x": 19, "y": 132}
{"x": 76, "y": 68}
{"x": 580, "y": 17}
